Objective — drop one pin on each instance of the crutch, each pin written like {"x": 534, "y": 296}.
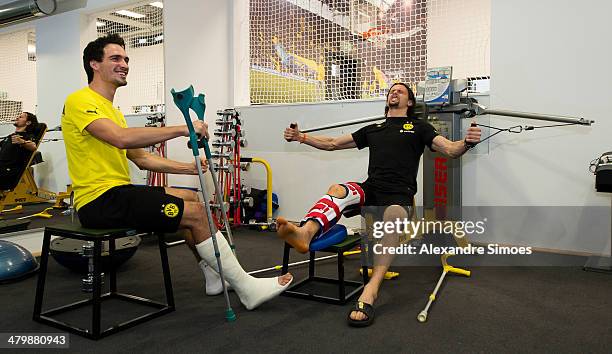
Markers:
{"x": 198, "y": 106}
{"x": 184, "y": 100}
{"x": 422, "y": 317}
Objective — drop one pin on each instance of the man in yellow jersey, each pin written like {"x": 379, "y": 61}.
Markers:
{"x": 98, "y": 145}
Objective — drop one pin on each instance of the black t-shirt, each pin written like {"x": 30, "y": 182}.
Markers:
{"x": 396, "y": 146}
{"x": 12, "y": 156}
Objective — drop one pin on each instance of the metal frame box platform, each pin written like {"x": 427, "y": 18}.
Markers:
{"x": 355, "y": 287}
{"x": 98, "y": 236}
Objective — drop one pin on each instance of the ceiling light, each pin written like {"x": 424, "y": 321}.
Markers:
{"x": 100, "y": 24}
{"x": 157, "y": 4}
{"x": 130, "y": 14}
{"x": 159, "y": 38}
{"x": 142, "y": 40}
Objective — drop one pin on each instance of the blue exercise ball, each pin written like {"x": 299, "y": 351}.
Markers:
{"x": 15, "y": 262}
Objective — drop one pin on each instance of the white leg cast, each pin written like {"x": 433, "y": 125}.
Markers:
{"x": 251, "y": 291}
{"x": 213, "y": 279}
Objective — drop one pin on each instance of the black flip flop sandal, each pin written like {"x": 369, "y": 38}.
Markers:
{"x": 364, "y": 308}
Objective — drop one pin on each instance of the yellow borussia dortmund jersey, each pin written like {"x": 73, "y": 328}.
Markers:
{"x": 94, "y": 165}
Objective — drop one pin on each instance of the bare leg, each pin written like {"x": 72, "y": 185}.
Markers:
{"x": 188, "y": 196}
{"x": 381, "y": 262}
{"x": 300, "y": 236}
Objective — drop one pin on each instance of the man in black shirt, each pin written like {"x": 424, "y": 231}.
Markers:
{"x": 396, "y": 146}
{"x": 16, "y": 148}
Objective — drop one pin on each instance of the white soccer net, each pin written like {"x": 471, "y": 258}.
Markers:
{"x": 141, "y": 26}
{"x": 17, "y": 74}
{"x": 328, "y": 50}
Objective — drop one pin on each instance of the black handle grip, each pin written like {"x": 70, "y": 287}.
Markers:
{"x": 292, "y": 126}
{"x": 200, "y": 143}
{"x": 469, "y": 145}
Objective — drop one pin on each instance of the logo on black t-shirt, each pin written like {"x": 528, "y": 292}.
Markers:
{"x": 407, "y": 128}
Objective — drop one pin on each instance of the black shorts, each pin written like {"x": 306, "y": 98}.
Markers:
{"x": 8, "y": 178}
{"x": 374, "y": 197}
{"x": 139, "y": 207}
{"x": 375, "y": 202}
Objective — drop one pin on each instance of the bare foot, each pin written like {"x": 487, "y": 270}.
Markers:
{"x": 284, "y": 279}
{"x": 368, "y": 296}
{"x": 296, "y": 236}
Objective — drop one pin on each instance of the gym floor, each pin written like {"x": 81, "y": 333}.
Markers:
{"x": 505, "y": 309}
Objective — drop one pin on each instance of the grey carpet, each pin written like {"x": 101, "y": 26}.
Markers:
{"x": 497, "y": 310}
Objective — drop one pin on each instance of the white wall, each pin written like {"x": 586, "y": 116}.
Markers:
{"x": 458, "y": 35}
{"x": 543, "y": 54}
{"x": 59, "y": 74}
{"x": 197, "y": 39}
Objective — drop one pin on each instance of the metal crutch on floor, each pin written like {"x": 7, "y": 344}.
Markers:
{"x": 422, "y": 316}
{"x": 184, "y": 100}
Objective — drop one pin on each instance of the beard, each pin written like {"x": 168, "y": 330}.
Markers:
{"x": 120, "y": 82}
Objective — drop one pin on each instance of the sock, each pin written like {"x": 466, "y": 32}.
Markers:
{"x": 213, "y": 279}
{"x": 251, "y": 291}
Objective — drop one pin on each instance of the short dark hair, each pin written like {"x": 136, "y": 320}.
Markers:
{"x": 31, "y": 117}
{"x": 411, "y": 97}
{"x": 95, "y": 51}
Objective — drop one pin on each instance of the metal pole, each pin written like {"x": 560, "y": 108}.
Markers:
{"x": 24, "y": 9}
{"x": 537, "y": 116}
{"x": 476, "y": 109}
{"x": 220, "y": 197}
{"x": 279, "y": 267}
{"x": 343, "y": 124}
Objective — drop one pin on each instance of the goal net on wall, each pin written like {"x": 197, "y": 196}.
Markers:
{"x": 331, "y": 50}
{"x": 17, "y": 74}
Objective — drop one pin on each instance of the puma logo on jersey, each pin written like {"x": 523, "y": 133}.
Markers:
{"x": 92, "y": 111}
